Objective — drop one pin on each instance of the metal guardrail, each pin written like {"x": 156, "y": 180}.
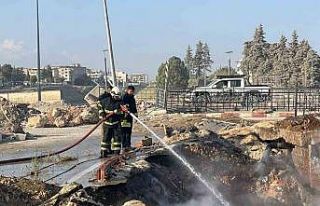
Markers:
{"x": 302, "y": 99}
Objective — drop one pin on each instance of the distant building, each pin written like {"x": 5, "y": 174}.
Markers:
{"x": 121, "y": 77}
{"x": 68, "y": 73}
{"x": 31, "y": 71}
{"x": 94, "y": 74}
{"x": 138, "y": 78}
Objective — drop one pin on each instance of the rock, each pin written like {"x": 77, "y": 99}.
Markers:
{"x": 65, "y": 192}
{"x": 37, "y": 121}
{"x": 29, "y": 136}
{"x": 146, "y": 142}
{"x": 20, "y": 136}
{"x": 266, "y": 130}
{"x": 243, "y": 131}
{"x": 90, "y": 115}
{"x": 61, "y": 122}
{"x": 76, "y": 121}
{"x": 17, "y": 128}
{"x": 203, "y": 133}
{"x": 56, "y": 112}
{"x": 33, "y": 111}
{"x": 256, "y": 151}
{"x": 141, "y": 165}
{"x": 249, "y": 140}
{"x": 134, "y": 203}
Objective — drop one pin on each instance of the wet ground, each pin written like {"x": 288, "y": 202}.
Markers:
{"x": 52, "y": 139}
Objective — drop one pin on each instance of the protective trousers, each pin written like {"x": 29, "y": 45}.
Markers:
{"x": 111, "y": 141}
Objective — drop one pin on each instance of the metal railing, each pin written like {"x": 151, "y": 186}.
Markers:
{"x": 302, "y": 99}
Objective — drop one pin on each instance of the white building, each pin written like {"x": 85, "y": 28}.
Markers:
{"x": 138, "y": 78}
{"x": 94, "y": 74}
{"x": 68, "y": 74}
{"x": 121, "y": 77}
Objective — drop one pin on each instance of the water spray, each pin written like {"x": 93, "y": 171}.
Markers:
{"x": 210, "y": 187}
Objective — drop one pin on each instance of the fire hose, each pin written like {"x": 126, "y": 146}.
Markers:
{"x": 26, "y": 159}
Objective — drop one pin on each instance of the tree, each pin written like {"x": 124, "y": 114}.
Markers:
{"x": 223, "y": 71}
{"x": 312, "y": 69}
{"x": 33, "y": 80}
{"x": 282, "y": 64}
{"x": 255, "y": 55}
{"x": 46, "y": 74}
{"x": 19, "y": 75}
{"x": 207, "y": 57}
{"x": 6, "y": 72}
{"x": 199, "y": 62}
{"x": 178, "y": 74}
{"x": 188, "y": 59}
{"x": 202, "y": 61}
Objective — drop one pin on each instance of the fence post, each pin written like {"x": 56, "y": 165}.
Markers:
{"x": 166, "y": 86}
{"x": 296, "y": 102}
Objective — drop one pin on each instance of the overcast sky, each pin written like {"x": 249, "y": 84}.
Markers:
{"x": 146, "y": 32}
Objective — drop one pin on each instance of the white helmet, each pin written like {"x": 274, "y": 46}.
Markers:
{"x": 115, "y": 91}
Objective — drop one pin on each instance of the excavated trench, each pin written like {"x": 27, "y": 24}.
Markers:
{"x": 168, "y": 182}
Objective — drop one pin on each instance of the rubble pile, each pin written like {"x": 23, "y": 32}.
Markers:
{"x": 15, "y": 117}
{"x": 24, "y": 192}
{"x": 64, "y": 117}
{"x": 12, "y": 119}
{"x": 144, "y": 105}
{"x": 72, "y": 116}
{"x": 237, "y": 158}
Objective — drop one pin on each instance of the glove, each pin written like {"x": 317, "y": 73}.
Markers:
{"x": 124, "y": 108}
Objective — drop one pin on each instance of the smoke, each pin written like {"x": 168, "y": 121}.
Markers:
{"x": 200, "y": 197}
{"x": 203, "y": 201}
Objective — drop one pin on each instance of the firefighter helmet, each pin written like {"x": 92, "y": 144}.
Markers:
{"x": 115, "y": 91}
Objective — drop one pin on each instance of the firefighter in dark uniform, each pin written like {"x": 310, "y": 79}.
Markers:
{"x": 129, "y": 102}
{"x": 110, "y": 104}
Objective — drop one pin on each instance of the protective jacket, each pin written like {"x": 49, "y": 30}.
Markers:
{"x": 130, "y": 102}
{"x": 106, "y": 105}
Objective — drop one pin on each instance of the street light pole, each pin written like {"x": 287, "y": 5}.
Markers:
{"x": 109, "y": 39}
{"x": 229, "y": 62}
{"x": 38, "y": 53}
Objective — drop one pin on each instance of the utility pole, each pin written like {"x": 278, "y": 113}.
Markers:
{"x": 229, "y": 62}
{"x": 109, "y": 39}
{"x": 38, "y": 53}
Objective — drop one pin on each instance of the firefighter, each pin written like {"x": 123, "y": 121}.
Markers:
{"x": 111, "y": 137}
{"x": 129, "y": 102}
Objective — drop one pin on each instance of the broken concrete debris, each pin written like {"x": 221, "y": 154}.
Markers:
{"x": 236, "y": 157}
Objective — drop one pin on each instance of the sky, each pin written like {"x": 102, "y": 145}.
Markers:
{"x": 146, "y": 32}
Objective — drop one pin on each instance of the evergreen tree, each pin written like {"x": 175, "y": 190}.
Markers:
{"x": 178, "y": 74}
{"x": 199, "y": 62}
{"x": 188, "y": 59}
{"x": 207, "y": 56}
{"x": 284, "y": 64}
{"x": 312, "y": 66}
{"x": 257, "y": 55}
{"x": 281, "y": 63}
